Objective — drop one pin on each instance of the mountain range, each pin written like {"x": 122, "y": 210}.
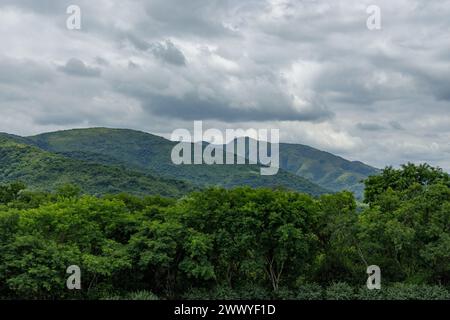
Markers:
{"x": 102, "y": 160}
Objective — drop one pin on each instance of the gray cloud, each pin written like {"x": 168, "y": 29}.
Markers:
{"x": 101, "y": 61}
{"x": 168, "y": 52}
{"x": 311, "y": 68}
{"x": 41, "y": 6}
{"x": 370, "y": 126}
{"x": 77, "y": 67}
{"x": 137, "y": 43}
{"x": 396, "y": 125}
{"x": 194, "y": 107}
{"x": 18, "y": 73}
{"x": 195, "y": 18}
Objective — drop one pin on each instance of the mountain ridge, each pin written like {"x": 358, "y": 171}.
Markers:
{"x": 46, "y": 171}
{"x": 126, "y": 161}
{"x": 323, "y": 168}
{"x": 148, "y": 152}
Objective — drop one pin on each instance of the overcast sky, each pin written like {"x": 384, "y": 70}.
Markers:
{"x": 311, "y": 68}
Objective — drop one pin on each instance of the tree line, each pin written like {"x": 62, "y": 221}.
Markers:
{"x": 241, "y": 243}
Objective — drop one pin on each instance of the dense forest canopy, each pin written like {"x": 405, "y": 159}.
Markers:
{"x": 237, "y": 243}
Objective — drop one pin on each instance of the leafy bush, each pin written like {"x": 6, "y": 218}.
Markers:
{"x": 416, "y": 292}
{"x": 142, "y": 295}
{"x": 261, "y": 242}
{"x": 340, "y": 291}
{"x": 138, "y": 295}
{"x": 253, "y": 292}
{"x": 402, "y": 291}
{"x": 225, "y": 293}
{"x": 310, "y": 292}
{"x": 197, "y": 294}
{"x": 284, "y": 293}
{"x": 366, "y": 294}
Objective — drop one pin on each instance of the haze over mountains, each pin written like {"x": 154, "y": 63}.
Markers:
{"x": 103, "y": 160}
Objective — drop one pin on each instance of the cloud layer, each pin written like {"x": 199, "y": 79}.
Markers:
{"x": 309, "y": 67}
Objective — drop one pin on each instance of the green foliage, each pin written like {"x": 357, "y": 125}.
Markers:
{"x": 240, "y": 243}
{"x": 403, "y": 179}
{"x": 46, "y": 171}
{"x": 138, "y": 295}
{"x": 151, "y": 155}
{"x": 43, "y": 242}
{"x": 197, "y": 294}
{"x": 366, "y": 294}
{"x": 407, "y": 227}
{"x": 11, "y": 192}
{"x": 284, "y": 293}
{"x": 416, "y": 292}
{"x": 68, "y": 191}
{"x": 404, "y": 291}
{"x": 142, "y": 295}
{"x": 340, "y": 255}
{"x": 340, "y": 291}
{"x": 310, "y": 292}
{"x": 325, "y": 169}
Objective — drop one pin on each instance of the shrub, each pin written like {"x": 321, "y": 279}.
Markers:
{"x": 253, "y": 293}
{"x": 340, "y": 291}
{"x": 284, "y": 294}
{"x": 138, "y": 295}
{"x": 225, "y": 293}
{"x": 366, "y": 294}
{"x": 310, "y": 292}
{"x": 197, "y": 294}
{"x": 142, "y": 295}
{"x": 402, "y": 291}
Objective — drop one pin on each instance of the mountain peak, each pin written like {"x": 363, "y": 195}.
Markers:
{"x": 302, "y": 167}
{"x": 97, "y": 131}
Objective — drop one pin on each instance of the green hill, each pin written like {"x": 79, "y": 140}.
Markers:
{"x": 322, "y": 168}
{"x": 113, "y": 160}
{"x": 151, "y": 154}
{"x": 325, "y": 169}
{"x": 44, "y": 170}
